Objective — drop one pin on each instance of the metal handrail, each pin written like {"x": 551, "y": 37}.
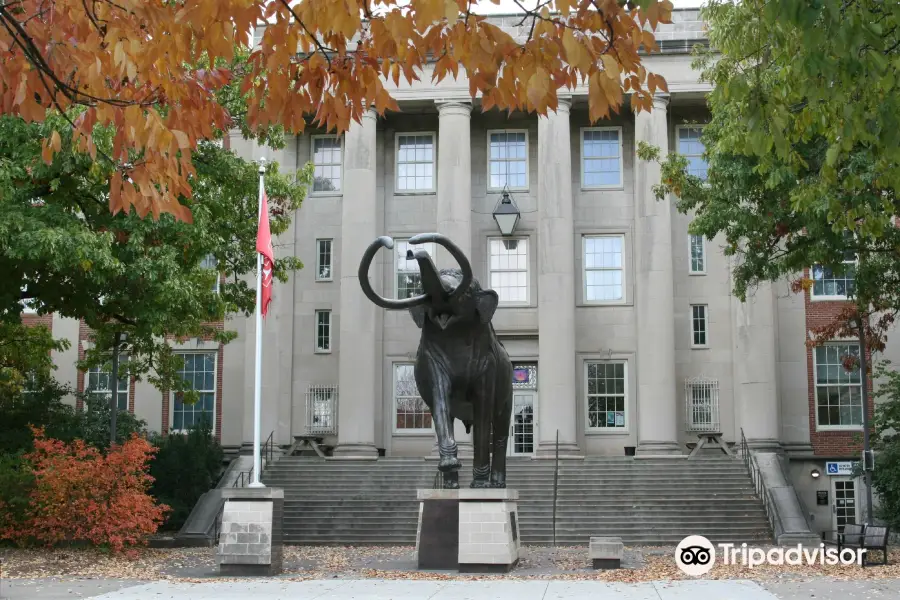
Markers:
{"x": 267, "y": 452}
{"x": 759, "y": 486}
{"x": 555, "y": 485}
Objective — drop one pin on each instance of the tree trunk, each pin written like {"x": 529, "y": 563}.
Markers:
{"x": 114, "y": 384}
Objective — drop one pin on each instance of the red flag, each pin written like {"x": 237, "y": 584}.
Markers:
{"x": 264, "y": 247}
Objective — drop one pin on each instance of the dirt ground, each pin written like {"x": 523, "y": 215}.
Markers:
{"x": 317, "y": 562}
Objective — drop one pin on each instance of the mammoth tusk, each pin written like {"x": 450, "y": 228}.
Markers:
{"x": 454, "y": 251}
{"x": 383, "y": 242}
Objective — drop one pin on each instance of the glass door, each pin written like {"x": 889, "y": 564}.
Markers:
{"x": 844, "y": 507}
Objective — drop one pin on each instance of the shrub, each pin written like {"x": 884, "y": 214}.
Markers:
{"x": 82, "y": 495}
{"x": 43, "y": 407}
{"x": 92, "y": 423}
{"x": 16, "y": 483}
{"x": 184, "y": 468}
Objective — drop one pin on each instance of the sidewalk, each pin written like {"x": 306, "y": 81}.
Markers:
{"x": 380, "y": 589}
{"x": 268, "y": 589}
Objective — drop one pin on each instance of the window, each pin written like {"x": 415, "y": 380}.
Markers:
{"x": 210, "y": 262}
{"x": 605, "y": 395}
{"x": 835, "y": 283}
{"x": 327, "y": 163}
{"x": 199, "y": 371}
{"x": 408, "y": 279}
{"x": 323, "y": 331}
{"x": 603, "y": 269}
{"x": 508, "y": 159}
{"x": 698, "y": 254}
{"x": 323, "y": 260}
{"x": 99, "y": 379}
{"x": 415, "y": 162}
{"x": 838, "y": 391}
{"x": 690, "y": 146}
{"x": 29, "y": 307}
{"x": 412, "y": 412}
{"x": 601, "y": 157}
{"x": 509, "y": 269}
{"x": 699, "y": 326}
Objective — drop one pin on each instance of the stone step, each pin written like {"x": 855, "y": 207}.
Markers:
{"x": 644, "y": 501}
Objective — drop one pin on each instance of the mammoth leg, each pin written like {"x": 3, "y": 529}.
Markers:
{"x": 481, "y": 438}
{"x": 502, "y": 414}
{"x": 434, "y": 386}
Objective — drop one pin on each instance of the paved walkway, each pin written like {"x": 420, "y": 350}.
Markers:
{"x": 391, "y": 590}
{"x": 374, "y": 589}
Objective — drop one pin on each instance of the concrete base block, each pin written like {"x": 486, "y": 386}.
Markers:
{"x": 250, "y": 539}
{"x": 606, "y": 552}
{"x": 472, "y": 530}
{"x": 607, "y": 563}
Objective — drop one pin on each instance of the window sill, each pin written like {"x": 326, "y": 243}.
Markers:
{"x": 814, "y": 298}
{"x": 326, "y": 194}
{"x": 696, "y": 273}
{"x": 838, "y": 428}
{"x": 320, "y": 351}
{"x": 330, "y": 280}
{"x": 509, "y": 189}
{"x": 604, "y": 188}
{"x": 608, "y": 431}
{"x": 512, "y": 305}
{"x": 704, "y": 347}
{"x": 414, "y": 433}
{"x": 415, "y": 192}
{"x": 603, "y": 304}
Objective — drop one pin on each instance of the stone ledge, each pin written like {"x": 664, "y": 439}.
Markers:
{"x": 469, "y": 494}
{"x": 247, "y": 493}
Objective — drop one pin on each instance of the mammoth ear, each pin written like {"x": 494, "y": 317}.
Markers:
{"x": 486, "y": 303}
{"x": 418, "y": 315}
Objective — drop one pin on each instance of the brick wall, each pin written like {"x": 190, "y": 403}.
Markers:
{"x": 32, "y": 320}
{"x": 829, "y": 443}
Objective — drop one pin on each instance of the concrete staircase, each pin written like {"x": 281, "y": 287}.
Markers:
{"x": 645, "y": 501}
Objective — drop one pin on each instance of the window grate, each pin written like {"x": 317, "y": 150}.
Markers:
{"x": 701, "y": 401}
{"x": 321, "y": 409}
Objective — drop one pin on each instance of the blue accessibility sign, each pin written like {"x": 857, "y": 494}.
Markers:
{"x": 839, "y": 467}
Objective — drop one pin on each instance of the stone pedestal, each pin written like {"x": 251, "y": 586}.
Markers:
{"x": 481, "y": 525}
{"x": 606, "y": 552}
{"x": 250, "y": 542}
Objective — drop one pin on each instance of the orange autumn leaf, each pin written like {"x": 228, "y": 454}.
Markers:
{"x": 319, "y": 63}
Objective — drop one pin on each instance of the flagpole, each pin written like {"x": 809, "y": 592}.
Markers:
{"x": 257, "y": 385}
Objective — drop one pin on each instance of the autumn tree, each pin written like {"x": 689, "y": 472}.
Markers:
{"x": 64, "y": 252}
{"x": 152, "y": 70}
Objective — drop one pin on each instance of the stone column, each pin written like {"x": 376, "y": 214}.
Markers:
{"x": 454, "y": 203}
{"x": 358, "y": 359}
{"x": 654, "y": 290}
{"x": 557, "y": 392}
{"x": 755, "y": 370}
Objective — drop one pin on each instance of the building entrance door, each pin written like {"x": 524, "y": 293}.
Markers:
{"x": 521, "y": 427}
{"x": 844, "y": 507}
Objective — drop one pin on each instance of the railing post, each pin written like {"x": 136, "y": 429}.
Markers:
{"x": 555, "y": 485}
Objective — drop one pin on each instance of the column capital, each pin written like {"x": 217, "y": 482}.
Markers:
{"x": 369, "y": 113}
{"x": 660, "y": 101}
{"x": 564, "y": 103}
{"x": 462, "y": 108}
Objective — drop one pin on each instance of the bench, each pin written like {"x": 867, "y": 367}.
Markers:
{"x": 859, "y": 537}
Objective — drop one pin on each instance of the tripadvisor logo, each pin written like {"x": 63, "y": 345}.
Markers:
{"x": 695, "y": 555}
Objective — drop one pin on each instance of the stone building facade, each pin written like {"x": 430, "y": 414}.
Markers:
{"x": 622, "y": 328}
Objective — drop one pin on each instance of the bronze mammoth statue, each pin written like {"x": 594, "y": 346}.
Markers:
{"x": 462, "y": 370}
